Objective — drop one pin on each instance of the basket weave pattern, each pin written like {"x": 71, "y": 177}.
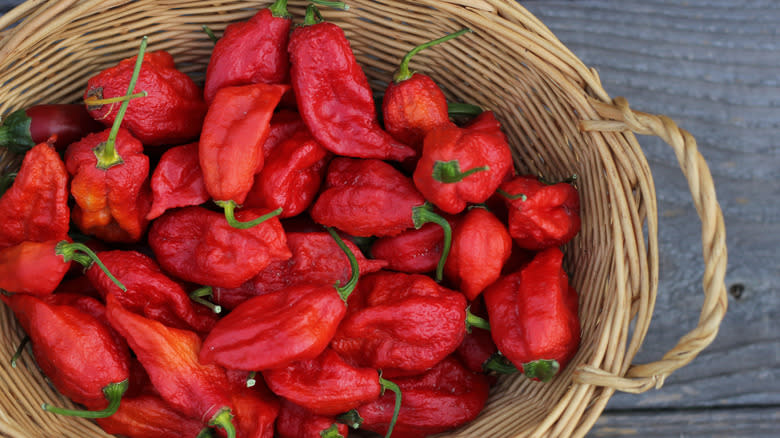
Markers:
{"x": 556, "y": 114}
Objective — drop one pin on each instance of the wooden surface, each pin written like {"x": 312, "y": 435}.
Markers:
{"x": 714, "y": 67}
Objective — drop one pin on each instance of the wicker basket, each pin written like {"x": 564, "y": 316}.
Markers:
{"x": 559, "y": 121}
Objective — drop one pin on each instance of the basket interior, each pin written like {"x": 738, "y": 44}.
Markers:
{"x": 510, "y": 64}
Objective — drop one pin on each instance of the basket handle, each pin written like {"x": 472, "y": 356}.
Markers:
{"x": 640, "y": 378}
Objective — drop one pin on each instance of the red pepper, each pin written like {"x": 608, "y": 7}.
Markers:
{"x": 480, "y": 247}
{"x": 149, "y": 416}
{"x": 477, "y": 347}
{"x": 172, "y": 110}
{"x": 199, "y": 246}
{"x": 463, "y": 165}
{"x": 37, "y": 268}
{"x": 23, "y": 129}
{"x": 251, "y": 52}
{"x": 316, "y": 258}
{"x": 284, "y": 123}
{"x": 413, "y": 251}
{"x": 256, "y": 408}
{"x": 333, "y": 94}
{"x": 297, "y": 422}
{"x": 177, "y": 180}
{"x": 533, "y": 316}
{"x": 413, "y": 323}
{"x": 291, "y": 177}
{"x": 413, "y": 104}
{"x": 443, "y": 398}
{"x": 278, "y": 328}
{"x": 170, "y": 357}
{"x": 149, "y": 291}
{"x": 79, "y": 355}
{"x": 541, "y": 215}
{"x": 35, "y": 207}
{"x": 231, "y": 143}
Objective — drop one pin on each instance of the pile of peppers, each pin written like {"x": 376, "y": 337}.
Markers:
{"x": 271, "y": 253}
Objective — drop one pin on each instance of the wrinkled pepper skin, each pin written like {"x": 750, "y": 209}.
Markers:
{"x": 32, "y": 268}
{"x": 63, "y": 122}
{"x": 149, "y": 416}
{"x": 256, "y": 408}
{"x": 412, "y": 251}
{"x": 35, "y": 207}
{"x": 443, "y": 398}
{"x": 231, "y": 143}
{"x": 548, "y": 216}
{"x": 297, "y": 422}
{"x": 316, "y": 258}
{"x": 334, "y": 97}
{"x": 177, "y": 181}
{"x": 275, "y": 329}
{"x": 477, "y": 346}
{"x": 198, "y": 245}
{"x": 291, "y": 177}
{"x": 325, "y": 385}
{"x": 170, "y": 358}
{"x": 284, "y": 123}
{"x": 533, "y": 314}
{"x": 481, "y": 245}
{"x": 78, "y": 354}
{"x": 481, "y": 148}
{"x": 149, "y": 291}
{"x": 366, "y": 197}
{"x": 172, "y": 111}
{"x": 414, "y": 322}
{"x": 250, "y": 52}
{"x": 111, "y": 204}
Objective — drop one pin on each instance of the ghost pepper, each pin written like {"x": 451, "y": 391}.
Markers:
{"x": 541, "y": 215}
{"x": 177, "y": 180}
{"x": 334, "y": 96}
{"x": 414, "y": 251}
{"x": 297, "y": 422}
{"x": 35, "y": 207}
{"x": 463, "y": 165}
{"x": 170, "y": 357}
{"x": 199, "y": 246}
{"x": 533, "y": 316}
{"x": 256, "y": 407}
{"x": 148, "y": 416}
{"x": 284, "y": 123}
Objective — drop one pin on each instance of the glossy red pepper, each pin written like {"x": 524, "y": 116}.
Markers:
{"x": 443, "y": 398}
{"x": 466, "y": 165}
{"x": 37, "y": 268}
{"x": 177, "y": 181}
{"x": 66, "y": 123}
{"x": 297, "y": 422}
{"x": 291, "y": 177}
{"x": 414, "y": 323}
{"x": 170, "y": 357}
{"x": 316, "y": 258}
{"x": 172, "y": 110}
{"x": 281, "y": 327}
{"x": 231, "y": 143}
{"x": 333, "y": 94}
{"x": 78, "y": 353}
{"x": 533, "y": 316}
{"x": 149, "y": 416}
{"x": 35, "y": 207}
{"x": 149, "y": 292}
{"x": 199, "y": 246}
{"x": 477, "y": 347}
{"x": 251, "y": 52}
{"x": 413, "y": 104}
{"x": 480, "y": 246}
{"x": 541, "y": 215}
{"x": 415, "y": 251}
{"x": 284, "y": 123}
{"x": 256, "y": 408}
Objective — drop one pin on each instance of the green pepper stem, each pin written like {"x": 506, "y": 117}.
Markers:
{"x": 500, "y": 364}
{"x": 386, "y": 384}
{"x": 312, "y": 16}
{"x": 510, "y": 196}
{"x": 205, "y": 291}
{"x": 105, "y": 152}
{"x": 15, "y": 132}
{"x": 403, "y": 73}
{"x": 448, "y": 172}
{"x": 346, "y": 290}
{"x": 6, "y": 181}
{"x": 68, "y": 251}
{"x": 19, "y": 351}
{"x": 224, "y": 419}
{"x": 473, "y": 320}
{"x": 332, "y": 4}
{"x": 113, "y": 393}
{"x": 251, "y": 379}
{"x": 93, "y": 101}
{"x": 210, "y": 33}
{"x": 542, "y": 369}
{"x": 279, "y": 9}
{"x": 465, "y": 109}
{"x": 421, "y": 215}
{"x": 331, "y": 432}
{"x": 351, "y": 418}
{"x": 230, "y": 215}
